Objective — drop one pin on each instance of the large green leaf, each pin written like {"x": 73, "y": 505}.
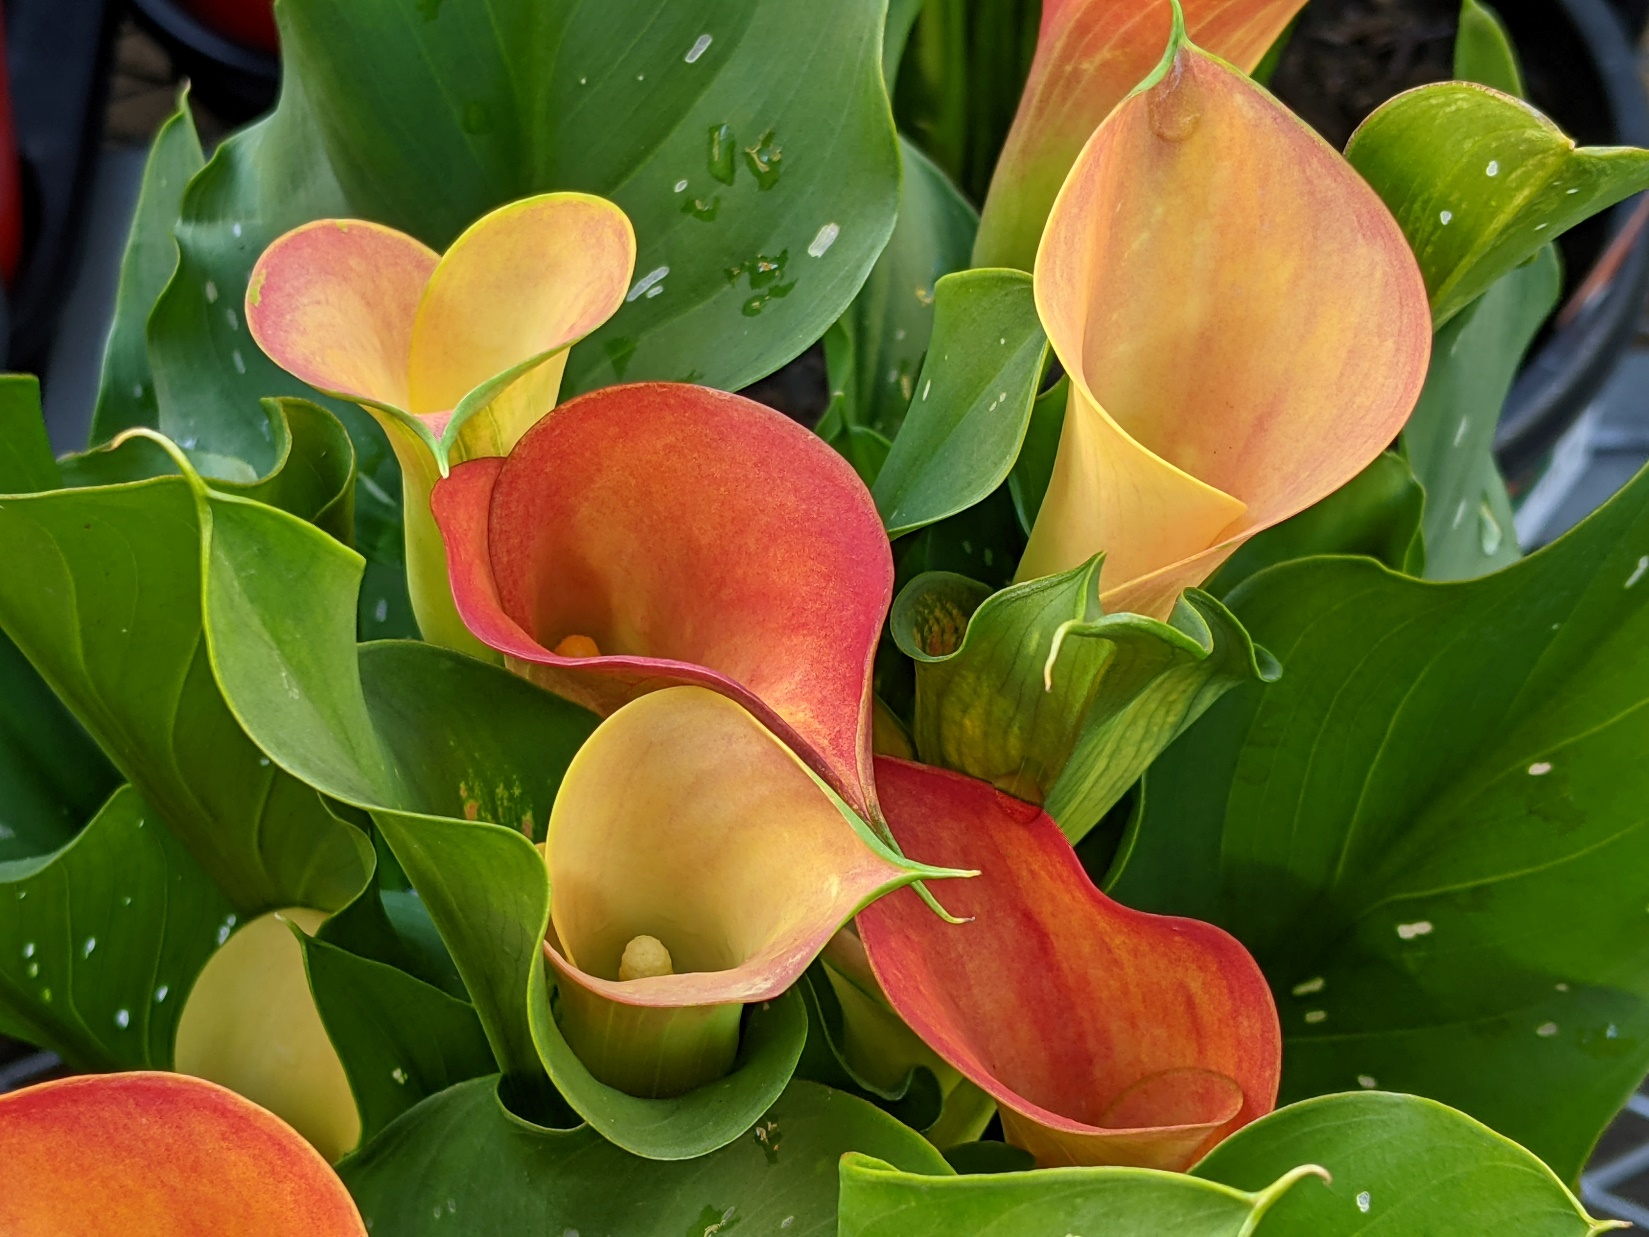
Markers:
{"x": 878, "y": 1200}
{"x": 126, "y": 391}
{"x": 435, "y": 746}
{"x": 1430, "y": 832}
{"x": 749, "y": 141}
{"x": 1450, "y": 438}
{"x": 461, "y": 1161}
{"x": 886, "y": 329}
{"x": 101, "y": 941}
{"x": 1398, "y": 1164}
{"x": 102, "y": 593}
{"x": 1040, "y": 692}
{"x": 1377, "y": 513}
{"x": 972, "y": 401}
{"x": 1480, "y": 181}
{"x": 399, "y": 1039}
{"x": 1483, "y": 51}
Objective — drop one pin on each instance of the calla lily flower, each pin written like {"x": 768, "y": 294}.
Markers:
{"x": 1089, "y": 55}
{"x": 250, "y": 1024}
{"x": 1105, "y": 1035}
{"x": 457, "y": 354}
{"x": 660, "y": 534}
{"x": 696, "y": 865}
{"x": 156, "y": 1155}
{"x": 1236, "y": 353}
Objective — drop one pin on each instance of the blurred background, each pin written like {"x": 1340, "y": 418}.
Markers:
{"x": 84, "y": 84}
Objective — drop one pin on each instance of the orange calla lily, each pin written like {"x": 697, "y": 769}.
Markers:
{"x": 696, "y": 865}
{"x": 1106, "y": 1035}
{"x": 457, "y": 354}
{"x": 1236, "y": 352}
{"x": 159, "y": 1155}
{"x": 659, "y": 534}
{"x": 1089, "y": 55}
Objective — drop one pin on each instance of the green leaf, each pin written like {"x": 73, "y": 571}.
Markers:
{"x": 399, "y": 1039}
{"x": 972, "y": 404}
{"x": 878, "y": 1200}
{"x": 103, "y": 595}
{"x": 126, "y": 389}
{"x": 1430, "y": 832}
{"x": 1483, "y": 51}
{"x": 888, "y": 325}
{"x": 26, "y": 463}
{"x": 1377, "y": 513}
{"x": 1399, "y": 1164}
{"x": 1480, "y": 181}
{"x": 1034, "y": 466}
{"x": 101, "y": 941}
{"x": 1450, "y": 437}
{"x": 989, "y": 1157}
{"x": 461, "y": 1158}
{"x": 1038, "y": 691}
{"x": 984, "y": 543}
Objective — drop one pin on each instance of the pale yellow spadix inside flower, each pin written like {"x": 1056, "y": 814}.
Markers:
{"x": 645, "y": 957}
{"x": 250, "y": 1024}
{"x": 1244, "y": 326}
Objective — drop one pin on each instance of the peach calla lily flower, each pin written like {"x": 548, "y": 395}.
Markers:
{"x": 455, "y": 354}
{"x": 1089, "y": 55}
{"x": 1105, "y": 1035}
{"x": 154, "y": 1155}
{"x": 659, "y": 534}
{"x": 1236, "y": 353}
{"x": 696, "y": 865}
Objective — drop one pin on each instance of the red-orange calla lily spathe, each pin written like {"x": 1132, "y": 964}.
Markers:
{"x": 1106, "y": 1035}
{"x": 455, "y": 354}
{"x": 1243, "y": 322}
{"x": 661, "y": 534}
{"x": 1089, "y": 55}
{"x": 159, "y": 1155}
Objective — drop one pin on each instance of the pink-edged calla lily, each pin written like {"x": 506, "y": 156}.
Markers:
{"x": 696, "y": 865}
{"x": 159, "y": 1155}
{"x": 1236, "y": 353}
{"x": 660, "y": 534}
{"x": 1106, "y": 1035}
{"x": 1089, "y": 55}
{"x": 455, "y": 354}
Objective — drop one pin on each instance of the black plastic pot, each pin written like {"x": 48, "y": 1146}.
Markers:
{"x": 1582, "y": 71}
{"x": 57, "y": 55}
{"x": 235, "y": 83}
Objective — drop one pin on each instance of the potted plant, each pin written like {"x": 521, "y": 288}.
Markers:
{"x": 1116, "y": 773}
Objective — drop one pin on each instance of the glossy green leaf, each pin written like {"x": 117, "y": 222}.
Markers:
{"x": 1430, "y": 833}
{"x": 983, "y": 543}
{"x": 103, "y": 595}
{"x": 1450, "y": 438}
{"x": 878, "y": 1200}
{"x": 889, "y": 323}
{"x": 989, "y": 1157}
{"x": 1483, "y": 51}
{"x": 972, "y": 401}
{"x": 1377, "y": 513}
{"x": 1038, "y": 691}
{"x": 126, "y": 389}
{"x": 1480, "y": 181}
{"x": 26, "y": 463}
{"x": 399, "y": 1039}
{"x": 101, "y": 940}
{"x": 1399, "y": 1164}
{"x": 1034, "y": 467}
{"x": 461, "y": 1161}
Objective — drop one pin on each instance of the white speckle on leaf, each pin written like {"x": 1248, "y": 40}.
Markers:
{"x": 926, "y": 387}
{"x": 647, "y": 281}
{"x": 381, "y": 610}
{"x": 86, "y": 949}
{"x": 160, "y": 993}
{"x": 700, "y": 46}
{"x": 1459, "y": 514}
{"x": 823, "y": 240}
{"x": 1562, "y": 987}
{"x": 233, "y": 319}
{"x": 1460, "y": 430}
{"x": 234, "y": 228}
{"x": 1493, "y": 169}
{"x": 239, "y": 360}
{"x": 1366, "y": 1082}
{"x": 681, "y": 185}
{"x": 1446, "y": 216}
{"x": 656, "y": 290}
{"x": 1316, "y": 1016}
{"x": 399, "y": 1075}
{"x": 1540, "y": 768}
{"x": 211, "y": 292}
{"x": 1309, "y": 986}
{"x": 123, "y": 1018}
{"x": 1546, "y": 1030}
{"x": 1362, "y": 1198}
{"x": 1408, "y": 931}
{"x": 1637, "y": 572}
